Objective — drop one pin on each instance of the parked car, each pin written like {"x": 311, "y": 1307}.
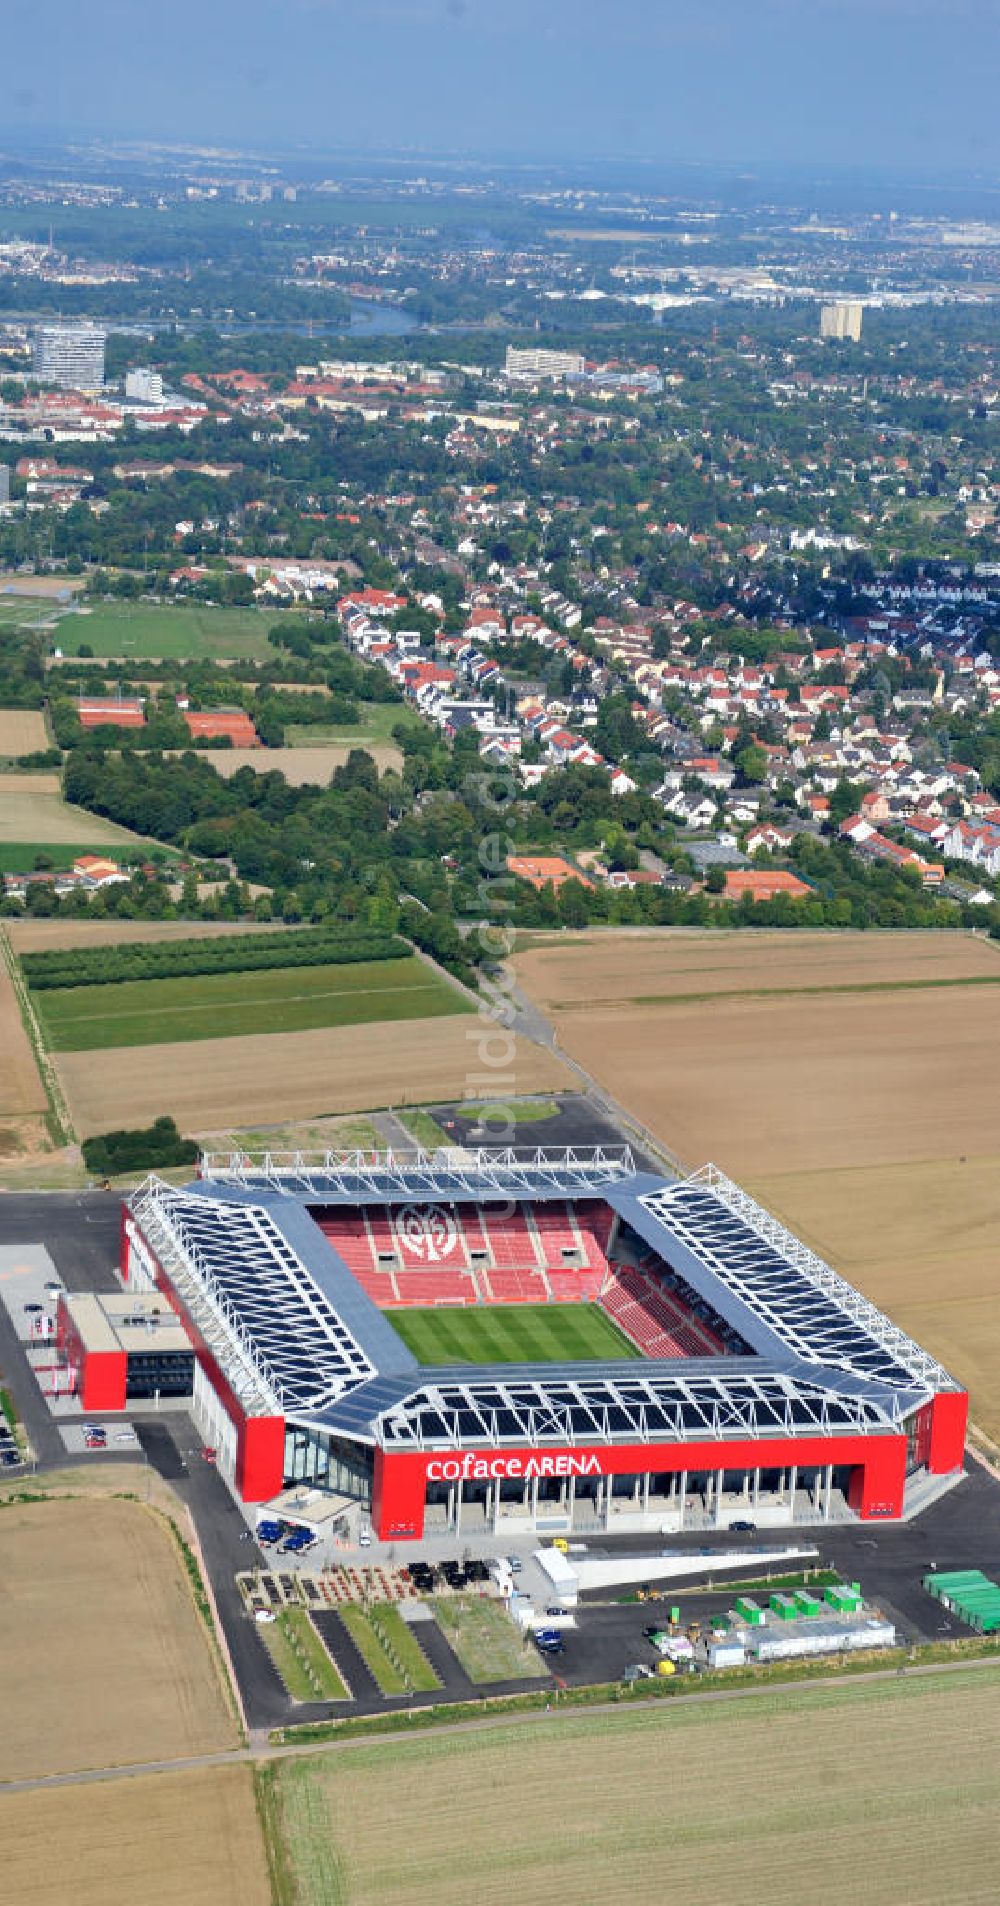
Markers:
{"x": 742, "y": 1527}
{"x": 208, "y": 1454}
{"x": 548, "y": 1641}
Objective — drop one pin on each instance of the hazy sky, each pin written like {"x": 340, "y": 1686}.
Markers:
{"x": 887, "y": 83}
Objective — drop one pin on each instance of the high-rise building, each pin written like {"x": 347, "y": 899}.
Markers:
{"x": 144, "y": 387}
{"x": 4, "y": 483}
{"x": 841, "y": 320}
{"x": 70, "y": 356}
{"x": 541, "y": 363}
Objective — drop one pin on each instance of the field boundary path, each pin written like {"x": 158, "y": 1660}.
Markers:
{"x": 531, "y": 1022}
{"x": 58, "y": 1105}
{"x": 261, "y": 1751}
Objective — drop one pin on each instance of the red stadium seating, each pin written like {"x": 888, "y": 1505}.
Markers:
{"x": 653, "y": 1318}
{"x": 464, "y": 1254}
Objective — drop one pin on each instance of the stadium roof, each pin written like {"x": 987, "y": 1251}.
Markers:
{"x": 295, "y": 1333}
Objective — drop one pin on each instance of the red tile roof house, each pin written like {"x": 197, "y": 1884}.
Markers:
{"x": 212, "y": 724}
{"x": 764, "y": 885}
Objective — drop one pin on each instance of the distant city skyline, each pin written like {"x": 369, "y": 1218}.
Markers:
{"x": 868, "y": 82}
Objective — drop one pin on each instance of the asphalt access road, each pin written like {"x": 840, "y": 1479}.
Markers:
{"x": 172, "y": 1447}
{"x": 577, "y": 1121}
{"x": 79, "y": 1229}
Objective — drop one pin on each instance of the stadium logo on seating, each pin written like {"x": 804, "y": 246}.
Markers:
{"x": 427, "y": 1232}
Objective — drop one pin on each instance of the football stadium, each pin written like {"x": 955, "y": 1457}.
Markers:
{"x": 447, "y": 1342}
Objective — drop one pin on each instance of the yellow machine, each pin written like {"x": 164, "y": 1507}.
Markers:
{"x": 665, "y": 1667}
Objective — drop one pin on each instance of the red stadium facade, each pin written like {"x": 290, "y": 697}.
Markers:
{"x": 765, "y": 1386}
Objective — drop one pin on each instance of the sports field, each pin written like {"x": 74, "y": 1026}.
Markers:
{"x": 219, "y": 1005}
{"x": 511, "y": 1333}
{"x": 849, "y": 1080}
{"x": 104, "y": 1659}
{"x": 174, "y": 632}
{"x": 883, "y": 1793}
{"x": 173, "y": 1839}
{"x": 265, "y": 1077}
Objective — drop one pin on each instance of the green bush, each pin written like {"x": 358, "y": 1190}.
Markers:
{"x": 154, "y": 1148}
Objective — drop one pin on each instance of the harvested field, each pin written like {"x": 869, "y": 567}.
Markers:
{"x": 208, "y": 1006}
{"x": 176, "y": 1839}
{"x": 634, "y": 1796}
{"x": 869, "y": 1120}
{"x": 625, "y": 966}
{"x": 32, "y": 809}
{"x": 22, "y": 731}
{"x": 299, "y": 765}
{"x": 104, "y": 1659}
{"x": 21, "y": 1089}
{"x": 761, "y": 1085}
{"x": 265, "y": 1077}
{"x": 41, "y": 936}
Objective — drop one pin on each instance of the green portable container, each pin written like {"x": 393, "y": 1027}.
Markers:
{"x": 806, "y": 1603}
{"x": 750, "y": 1611}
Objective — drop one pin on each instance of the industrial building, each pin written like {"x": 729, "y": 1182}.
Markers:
{"x": 122, "y": 1348}
{"x": 752, "y": 1381}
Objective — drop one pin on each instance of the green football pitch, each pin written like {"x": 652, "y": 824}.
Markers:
{"x": 511, "y": 1333}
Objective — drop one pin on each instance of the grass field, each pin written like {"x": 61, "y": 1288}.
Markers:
{"x": 884, "y": 1794}
{"x": 266, "y": 1077}
{"x": 211, "y": 1006}
{"x": 511, "y": 1333}
{"x": 486, "y": 1641}
{"x": 423, "y": 1129}
{"x": 19, "y": 857}
{"x": 847, "y": 1079}
{"x": 174, "y": 1839}
{"x": 33, "y": 812}
{"x": 181, "y": 632}
{"x": 301, "y": 1659}
{"x": 104, "y": 1659}
{"x": 376, "y": 721}
{"x": 389, "y": 1648}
